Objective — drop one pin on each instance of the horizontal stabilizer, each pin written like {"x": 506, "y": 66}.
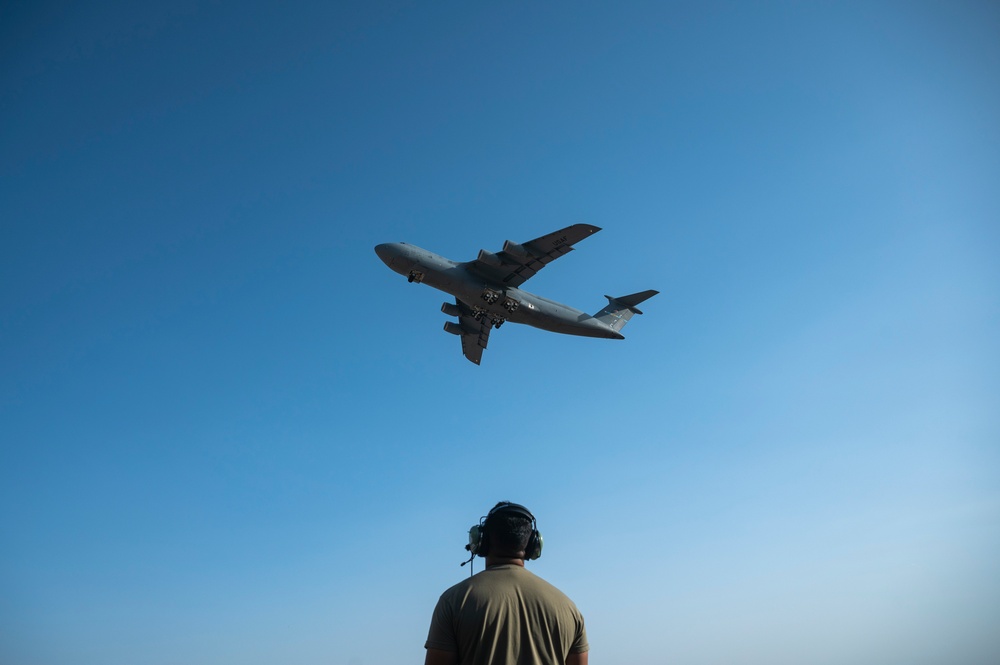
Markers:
{"x": 621, "y": 309}
{"x": 632, "y": 300}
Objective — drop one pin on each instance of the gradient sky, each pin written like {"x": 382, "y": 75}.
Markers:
{"x": 230, "y": 434}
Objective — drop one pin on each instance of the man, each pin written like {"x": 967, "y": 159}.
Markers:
{"x": 506, "y": 615}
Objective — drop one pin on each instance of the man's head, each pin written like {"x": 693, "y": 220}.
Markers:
{"x": 507, "y": 531}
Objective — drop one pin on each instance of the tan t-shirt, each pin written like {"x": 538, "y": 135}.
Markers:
{"x": 507, "y": 615}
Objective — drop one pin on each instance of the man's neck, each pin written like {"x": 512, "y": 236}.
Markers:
{"x": 503, "y": 561}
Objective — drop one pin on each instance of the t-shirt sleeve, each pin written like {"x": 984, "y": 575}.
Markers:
{"x": 580, "y": 643}
{"x": 442, "y": 632}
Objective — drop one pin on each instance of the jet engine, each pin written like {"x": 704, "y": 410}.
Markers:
{"x": 489, "y": 258}
{"x": 450, "y": 309}
{"x": 453, "y": 328}
{"x": 516, "y": 250}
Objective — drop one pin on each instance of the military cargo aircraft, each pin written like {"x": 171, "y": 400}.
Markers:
{"x": 487, "y": 290}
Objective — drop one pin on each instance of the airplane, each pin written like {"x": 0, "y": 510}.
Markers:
{"x": 487, "y": 290}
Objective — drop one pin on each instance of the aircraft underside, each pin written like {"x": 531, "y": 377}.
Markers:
{"x": 487, "y": 295}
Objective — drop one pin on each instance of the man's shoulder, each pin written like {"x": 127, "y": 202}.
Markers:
{"x": 497, "y": 579}
{"x": 458, "y": 587}
{"x": 544, "y": 586}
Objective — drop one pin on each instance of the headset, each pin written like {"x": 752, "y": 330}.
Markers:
{"x": 479, "y": 539}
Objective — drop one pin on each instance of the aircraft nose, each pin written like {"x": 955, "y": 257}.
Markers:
{"x": 396, "y": 255}
{"x": 386, "y": 251}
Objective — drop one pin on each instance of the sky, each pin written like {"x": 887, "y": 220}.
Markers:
{"x": 230, "y": 434}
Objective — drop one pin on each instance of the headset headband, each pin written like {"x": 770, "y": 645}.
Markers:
{"x": 508, "y": 507}
{"x": 479, "y": 537}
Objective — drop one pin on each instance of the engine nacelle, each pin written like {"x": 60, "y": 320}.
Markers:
{"x": 489, "y": 258}
{"x": 515, "y": 250}
{"x": 450, "y": 309}
{"x": 453, "y": 328}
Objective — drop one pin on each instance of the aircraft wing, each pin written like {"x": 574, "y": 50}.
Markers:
{"x": 516, "y": 264}
{"x": 475, "y": 334}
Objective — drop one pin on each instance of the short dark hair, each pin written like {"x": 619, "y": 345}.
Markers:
{"x": 508, "y": 532}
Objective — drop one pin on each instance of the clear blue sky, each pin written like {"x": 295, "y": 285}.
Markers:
{"x": 229, "y": 434}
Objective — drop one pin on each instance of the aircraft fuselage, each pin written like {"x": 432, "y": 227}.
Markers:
{"x": 496, "y": 300}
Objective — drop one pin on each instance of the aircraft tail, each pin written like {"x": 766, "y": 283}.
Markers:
{"x": 620, "y": 310}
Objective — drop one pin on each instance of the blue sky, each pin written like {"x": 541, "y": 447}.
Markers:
{"x": 229, "y": 434}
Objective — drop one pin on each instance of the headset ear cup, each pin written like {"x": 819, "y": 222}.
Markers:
{"x": 535, "y": 542}
{"x": 475, "y": 545}
{"x": 479, "y": 541}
